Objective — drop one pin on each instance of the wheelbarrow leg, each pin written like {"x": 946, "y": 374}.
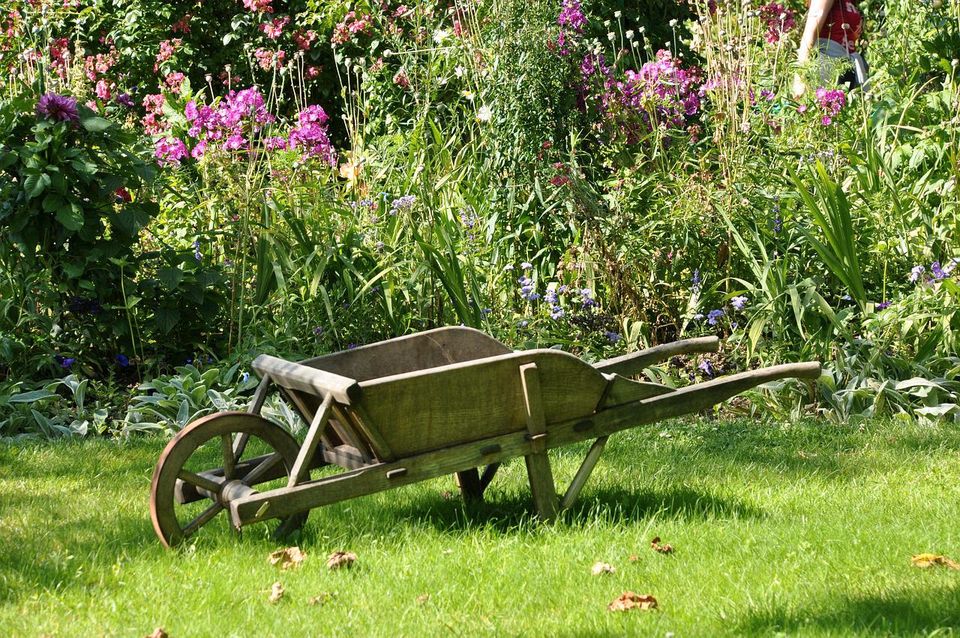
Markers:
{"x": 538, "y": 464}
{"x": 472, "y": 484}
{"x": 469, "y": 483}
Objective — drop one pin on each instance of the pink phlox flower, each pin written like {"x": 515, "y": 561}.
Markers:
{"x": 169, "y": 151}
{"x": 274, "y": 29}
{"x": 258, "y": 6}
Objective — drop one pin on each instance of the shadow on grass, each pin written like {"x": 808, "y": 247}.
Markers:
{"x": 906, "y": 612}
{"x": 513, "y": 512}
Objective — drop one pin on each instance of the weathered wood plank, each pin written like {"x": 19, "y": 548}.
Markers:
{"x": 622, "y": 390}
{"x": 589, "y": 462}
{"x": 469, "y": 483}
{"x": 635, "y": 362}
{"x": 306, "y": 379}
{"x": 301, "y": 468}
{"x": 538, "y": 463}
{"x": 459, "y": 403}
{"x": 420, "y": 351}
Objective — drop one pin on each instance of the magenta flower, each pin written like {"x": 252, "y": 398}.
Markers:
{"x": 779, "y": 21}
{"x": 58, "y": 107}
{"x": 571, "y": 15}
{"x": 831, "y": 102}
{"x": 169, "y": 151}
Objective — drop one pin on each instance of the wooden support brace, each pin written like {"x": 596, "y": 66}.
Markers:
{"x": 538, "y": 463}
{"x": 301, "y": 467}
{"x": 589, "y": 462}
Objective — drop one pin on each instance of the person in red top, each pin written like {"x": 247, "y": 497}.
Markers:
{"x": 835, "y": 27}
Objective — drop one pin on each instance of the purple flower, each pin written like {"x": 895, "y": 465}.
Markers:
{"x": 883, "y": 304}
{"x": 831, "y": 103}
{"x": 714, "y": 315}
{"x": 169, "y": 151}
{"x": 696, "y": 279}
{"x": 403, "y": 203}
{"x": 612, "y": 337}
{"x": 556, "y": 312}
{"x": 122, "y": 360}
{"x": 196, "y": 250}
{"x": 739, "y": 302}
{"x": 916, "y": 272}
{"x": 58, "y": 107}
{"x": 526, "y": 265}
{"x": 65, "y": 362}
{"x": 706, "y": 368}
{"x": 318, "y": 330}
{"x": 310, "y": 135}
{"x": 125, "y": 100}
{"x": 527, "y": 288}
{"x": 571, "y": 15}
{"x": 937, "y": 271}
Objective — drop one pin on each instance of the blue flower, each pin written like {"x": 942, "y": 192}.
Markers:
{"x": 714, "y": 315}
{"x": 696, "y": 278}
{"x": 123, "y": 360}
{"x": 526, "y": 265}
{"x": 612, "y": 337}
{"x": 244, "y": 377}
{"x": 65, "y": 362}
{"x": 707, "y": 368}
{"x": 318, "y": 330}
{"x": 936, "y": 271}
{"x": 883, "y": 304}
{"x": 916, "y": 272}
{"x": 556, "y": 312}
{"x": 196, "y": 250}
{"x": 739, "y": 302}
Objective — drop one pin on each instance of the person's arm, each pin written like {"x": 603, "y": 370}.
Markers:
{"x": 816, "y": 18}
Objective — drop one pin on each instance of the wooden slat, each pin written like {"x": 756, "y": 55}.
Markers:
{"x": 622, "y": 390}
{"x": 589, "y": 462}
{"x": 538, "y": 463}
{"x": 306, "y": 379}
{"x": 301, "y": 467}
{"x": 635, "y": 362}
{"x": 345, "y": 456}
{"x": 342, "y": 425}
{"x": 420, "y": 351}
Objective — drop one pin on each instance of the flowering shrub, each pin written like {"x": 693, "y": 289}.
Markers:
{"x": 830, "y": 102}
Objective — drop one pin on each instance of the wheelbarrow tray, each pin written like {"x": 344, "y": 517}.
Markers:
{"x": 449, "y": 401}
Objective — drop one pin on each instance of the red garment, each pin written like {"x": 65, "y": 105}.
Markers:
{"x": 843, "y": 24}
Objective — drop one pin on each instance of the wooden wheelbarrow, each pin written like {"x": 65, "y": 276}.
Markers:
{"x": 445, "y": 401}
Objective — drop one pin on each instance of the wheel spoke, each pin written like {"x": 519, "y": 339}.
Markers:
{"x": 199, "y": 480}
{"x": 240, "y": 444}
{"x": 203, "y": 519}
{"x": 229, "y": 460}
{"x": 262, "y": 468}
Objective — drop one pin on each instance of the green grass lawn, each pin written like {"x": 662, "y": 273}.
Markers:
{"x": 805, "y": 529}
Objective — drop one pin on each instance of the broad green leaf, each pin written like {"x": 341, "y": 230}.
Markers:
{"x": 95, "y": 123}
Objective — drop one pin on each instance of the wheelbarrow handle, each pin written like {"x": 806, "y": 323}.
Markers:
{"x": 635, "y": 362}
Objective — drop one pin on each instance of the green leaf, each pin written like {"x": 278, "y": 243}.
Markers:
{"x": 70, "y": 217}
{"x": 95, "y": 123}
{"x": 170, "y": 277}
{"x": 30, "y": 397}
{"x": 53, "y": 202}
{"x": 35, "y": 184}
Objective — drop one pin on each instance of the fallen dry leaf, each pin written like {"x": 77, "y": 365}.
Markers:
{"x": 629, "y": 600}
{"x": 322, "y": 598}
{"x": 276, "y": 593}
{"x": 602, "y": 568}
{"x": 287, "y": 557}
{"x": 663, "y": 548}
{"x": 158, "y": 633}
{"x": 341, "y": 559}
{"x": 633, "y": 558}
{"x": 423, "y": 598}
{"x": 931, "y": 560}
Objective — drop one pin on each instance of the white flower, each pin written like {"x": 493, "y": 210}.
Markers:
{"x": 642, "y": 30}
{"x": 484, "y": 114}
{"x": 673, "y": 23}
{"x": 440, "y": 35}
{"x": 630, "y": 34}
{"x": 617, "y": 14}
{"x": 459, "y": 71}
{"x": 467, "y": 94}
{"x": 611, "y": 36}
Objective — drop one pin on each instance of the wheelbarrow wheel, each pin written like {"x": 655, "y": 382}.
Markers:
{"x": 210, "y": 462}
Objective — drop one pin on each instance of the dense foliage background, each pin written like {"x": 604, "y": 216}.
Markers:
{"x": 185, "y": 185}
